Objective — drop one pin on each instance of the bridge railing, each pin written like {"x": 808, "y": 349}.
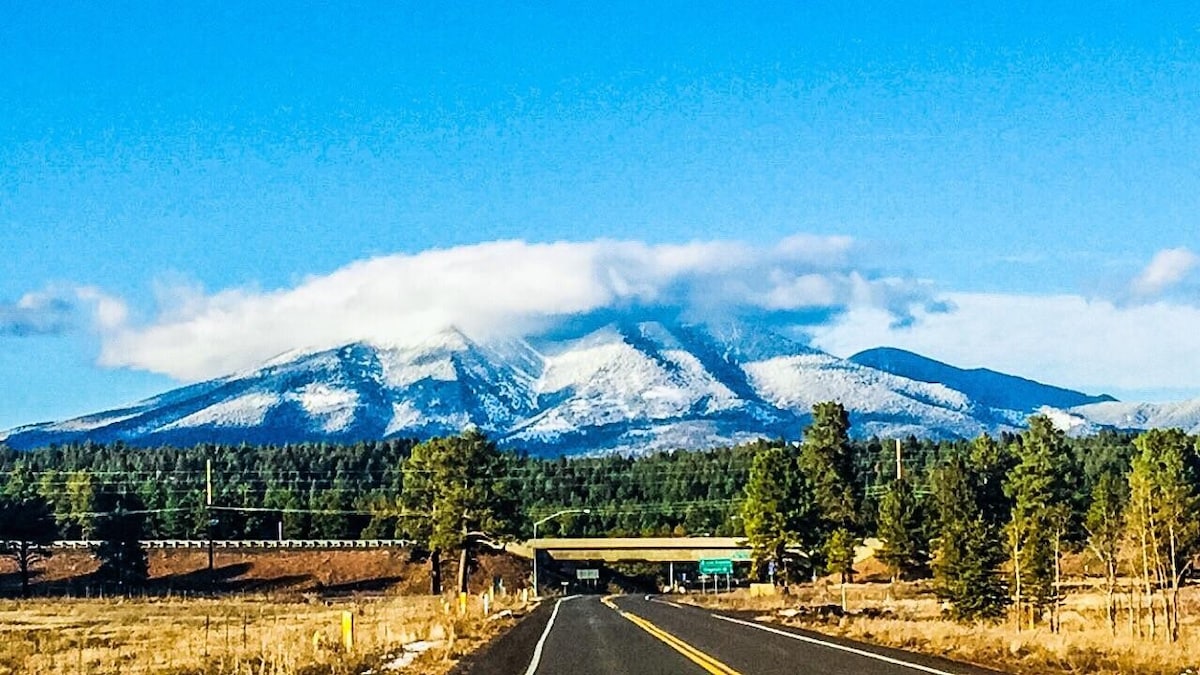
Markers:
{"x": 75, "y": 544}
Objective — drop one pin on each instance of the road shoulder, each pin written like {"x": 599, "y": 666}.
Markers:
{"x": 510, "y": 651}
{"x": 924, "y": 660}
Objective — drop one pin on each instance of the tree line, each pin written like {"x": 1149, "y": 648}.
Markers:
{"x": 990, "y": 519}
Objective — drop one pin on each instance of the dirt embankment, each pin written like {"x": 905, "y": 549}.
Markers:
{"x": 329, "y": 571}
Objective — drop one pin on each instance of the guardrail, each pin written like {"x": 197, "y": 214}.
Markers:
{"x": 243, "y": 543}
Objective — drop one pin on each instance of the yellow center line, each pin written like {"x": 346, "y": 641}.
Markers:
{"x": 708, "y": 663}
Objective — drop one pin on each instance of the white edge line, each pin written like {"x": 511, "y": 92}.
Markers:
{"x": 833, "y": 645}
{"x": 541, "y": 643}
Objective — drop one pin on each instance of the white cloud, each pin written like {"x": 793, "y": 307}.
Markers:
{"x": 1167, "y": 269}
{"x": 485, "y": 289}
{"x": 1066, "y": 340}
{"x": 37, "y": 313}
{"x": 108, "y": 313}
{"x": 57, "y": 309}
{"x": 513, "y": 287}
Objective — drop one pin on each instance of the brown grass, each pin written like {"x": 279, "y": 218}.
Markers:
{"x": 243, "y": 635}
{"x": 909, "y": 617}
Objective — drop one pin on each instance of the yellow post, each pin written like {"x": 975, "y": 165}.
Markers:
{"x": 348, "y": 631}
{"x": 462, "y": 603}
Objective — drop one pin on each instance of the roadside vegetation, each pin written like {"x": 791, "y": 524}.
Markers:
{"x": 991, "y": 521}
{"x": 234, "y": 635}
{"x": 985, "y": 531}
{"x": 908, "y": 615}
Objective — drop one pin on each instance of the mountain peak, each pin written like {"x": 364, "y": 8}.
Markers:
{"x": 451, "y": 338}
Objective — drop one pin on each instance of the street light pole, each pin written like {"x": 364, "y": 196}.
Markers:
{"x": 550, "y": 517}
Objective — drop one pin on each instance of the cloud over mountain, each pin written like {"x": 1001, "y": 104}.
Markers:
{"x": 499, "y": 288}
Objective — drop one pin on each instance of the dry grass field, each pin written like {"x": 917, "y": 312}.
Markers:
{"x": 909, "y": 617}
{"x": 273, "y": 613}
{"x": 240, "y": 635}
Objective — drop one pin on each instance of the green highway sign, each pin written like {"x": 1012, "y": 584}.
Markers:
{"x": 716, "y": 566}
{"x": 741, "y": 555}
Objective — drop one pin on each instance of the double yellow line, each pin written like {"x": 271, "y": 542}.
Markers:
{"x": 708, "y": 663}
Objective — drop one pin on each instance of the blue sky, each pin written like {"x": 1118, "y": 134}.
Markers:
{"x": 176, "y": 182}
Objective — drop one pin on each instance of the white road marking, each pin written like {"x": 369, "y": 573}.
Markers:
{"x": 831, "y": 645}
{"x": 541, "y": 643}
{"x": 666, "y": 602}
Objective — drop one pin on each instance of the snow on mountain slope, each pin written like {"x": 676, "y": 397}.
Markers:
{"x": 247, "y": 410}
{"x": 631, "y": 375}
{"x": 1068, "y": 422}
{"x": 871, "y": 396}
{"x": 333, "y": 408}
{"x": 450, "y": 381}
{"x": 1183, "y": 415}
{"x": 627, "y": 387}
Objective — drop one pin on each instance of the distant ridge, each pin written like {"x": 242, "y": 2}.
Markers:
{"x": 986, "y": 387}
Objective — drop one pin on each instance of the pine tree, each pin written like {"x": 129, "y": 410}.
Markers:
{"x": 839, "y": 554}
{"x": 455, "y": 496}
{"x": 27, "y": 529}
{"x": 119, "y": 530}
{"x": 826, "y": 463}
{"x": 173, "y": 517}
{"x": 966, "y": 567}
{"x": 900, "y": 528}
{"x": 990, "y": 462}
{"x": 1040, "y": 487}
{"x": 332, "y": 522}
{"x": 776, "y": 510}
{"x": 80, "y": 505}
{"x": 286, "y": 499}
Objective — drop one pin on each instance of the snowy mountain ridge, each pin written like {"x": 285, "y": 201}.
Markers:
{"x": 626, "y": 387}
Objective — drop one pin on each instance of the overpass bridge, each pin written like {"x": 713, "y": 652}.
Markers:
{"x": 634, "y": 549}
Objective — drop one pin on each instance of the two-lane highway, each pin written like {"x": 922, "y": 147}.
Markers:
{"x": 590, "y": 638}
{"x": 633, "y": 635}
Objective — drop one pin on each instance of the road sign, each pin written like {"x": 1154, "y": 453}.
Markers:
{"x": 742, "y": 556}
{"x": 716, "y": 566}
{"x": 587, "y": 575}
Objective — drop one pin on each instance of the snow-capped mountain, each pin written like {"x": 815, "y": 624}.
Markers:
{"x": 625, "y": 387}
{"x": 1087, "y": 419}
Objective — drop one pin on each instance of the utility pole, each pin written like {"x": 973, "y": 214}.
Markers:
{"x": 899, "y": 462}
{"x": 464, "y": 559}
{"x": 208, "y": 502}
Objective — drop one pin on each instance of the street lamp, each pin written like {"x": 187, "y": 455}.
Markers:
{"x": 552, "y": 516}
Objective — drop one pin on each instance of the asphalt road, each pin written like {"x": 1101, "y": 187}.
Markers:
{"x": 630, "y": 635}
